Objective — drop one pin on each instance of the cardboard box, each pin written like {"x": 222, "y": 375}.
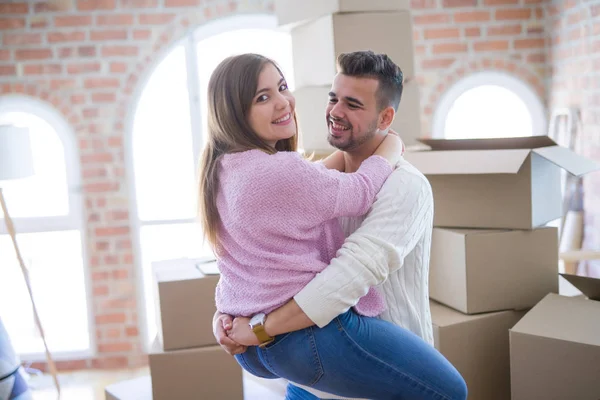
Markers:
{"x": 186, "y": 302}
{"x": 475, "y": 271}
{"x": 192, "y": 374}
{"x": 555, "y": 348}
{"x": 512, "y": 183}
{"x": 311, "y": 102}
{"x": 294, "y": 11}
{"x": 478, "y": 347}
{"x": 317, "y": 43}
{"x": 132, "y": 389}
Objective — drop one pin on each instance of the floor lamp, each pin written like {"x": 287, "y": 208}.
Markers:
{"x": 16, "y": 162}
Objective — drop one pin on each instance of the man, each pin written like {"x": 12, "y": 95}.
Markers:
{"x": 389, "y": 247}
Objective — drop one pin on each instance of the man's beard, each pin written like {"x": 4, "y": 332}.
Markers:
{"x": 354, "y": 141}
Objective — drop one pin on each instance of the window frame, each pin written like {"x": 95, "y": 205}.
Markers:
{"x": 74, "y": 220}
{"x": 497, "y": 78}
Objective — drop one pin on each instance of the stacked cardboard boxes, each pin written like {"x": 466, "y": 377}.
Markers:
{"x": 323, "y": 29}
{"x": 492, "y": 257}
{"x": 186, "y": 363}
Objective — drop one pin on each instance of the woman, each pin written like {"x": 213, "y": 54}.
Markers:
{"x": 271, "y": 217}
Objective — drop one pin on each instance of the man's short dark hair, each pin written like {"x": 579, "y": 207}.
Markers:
{"x": 367, "y": 64}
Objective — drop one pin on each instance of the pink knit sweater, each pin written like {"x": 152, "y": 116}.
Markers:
{"x": 279, "y": 226}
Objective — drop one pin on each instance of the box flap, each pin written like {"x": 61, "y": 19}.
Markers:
{"x": 587, "y": 285}
{"x": 473, "y": 231}
{"x": 563, "y": 318}
{"x": 529, "y": 142}
{"x": 568, "y": 160}
{"x": 182, "y": 269}
{"x": 208, "y": 266}
{"x": 443, "y": 316}
{"x": 133, "y": 389}
{"x": 468, "y": 162}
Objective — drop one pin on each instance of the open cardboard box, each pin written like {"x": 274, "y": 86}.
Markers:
{"x": 131, "y": 389}
{"x": 512, "y": 183}
{"x": 186, "y": 302}
{"x": 555, "y": 348}
{"x": 296, "y": 12}
{"x": 483, "y": 270}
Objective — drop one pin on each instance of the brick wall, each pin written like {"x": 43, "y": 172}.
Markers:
{"x": 574, "y": 62}
{"x": 85, "y": 58}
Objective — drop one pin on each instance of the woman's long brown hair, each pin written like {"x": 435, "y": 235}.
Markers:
{"x": 231, "y": 90}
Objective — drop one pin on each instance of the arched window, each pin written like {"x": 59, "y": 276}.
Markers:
{"x": 167, "y": 138}
{"x": 489, "y": 105}
{"x": 47, "y": 212}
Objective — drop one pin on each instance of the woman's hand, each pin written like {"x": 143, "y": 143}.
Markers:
{"x": 222, "y": 323}
{"x": 392, "y": 149}
{"x": 241, "y": 333}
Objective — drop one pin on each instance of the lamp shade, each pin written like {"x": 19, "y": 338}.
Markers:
{"x": 16, "y": 160}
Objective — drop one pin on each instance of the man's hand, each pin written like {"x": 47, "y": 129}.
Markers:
{"x": 221, "y": 324}
{"x": 241, "y": 332}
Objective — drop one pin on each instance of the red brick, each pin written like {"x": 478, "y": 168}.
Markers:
{"x": 56, "y": 84}
{"x": 437, "y": 63}
{"x": 119, "y": 51}
{"x": 12, "y": 23}
{"x": 500, "y": 2}
{"x": 491, "y": 45}
{"x": 114, "y": 231}
{"x": 11, "y": 39}
{"x": 82, "y": 68}
{"x": 503, "y": 30}
{"x": 109, "y": 35}
{"x": 118, "y": 67}
{"x": 86, "y": 51}
{"x": 155, "y": 19}
{"x": 124, "y": 244}
{"x": 442, "y": 33}
{"x": 182, "y": 3}
{"x": 4, "y": 54}
{"x": 114, "y": 333}
{"x": 138, "y": 3}
{"x": 472, "y": 16}
{"x": 459, "y": 3}
{"x": 114, "y": 19}
{"x": 60, "y": 37}
{"x": 91, "y": 5}
{"x": 430, "y": 19}
{"x": 115, "y": 141}
{"x": 536, "y": 58}
{"x": 414, "y": 4}
{"x": 38, "y": 21}
{"x": 78, "y": 99}
{"x": 131, "y": 331}
{"x": 101, "y": 290}
{"x": 100, "y": 276}
{"x": 110, "y": 362}
{"x": 118, "y": 318}
{"x": 473, "y": 32}
{"x": 13, "y": 8}
{"x": 529, "y": 43}
{"x": 119, "y": 274}
{"x": 142, "y": 34}
{"x": 65, "y": 52}
{"x": 513, "y": 14}
{"x": 7, "y": 70}
{"x": 99, "y": 158}
{"x": 92, "y": 83}
{"x": 104, "y": 97}
{"x": 42, "y": 69}
{"x": 450, "y": 48}
{"x": 73, "y": 20}
{"x": 32, "y": 54}
{"x": 101, "y": 187}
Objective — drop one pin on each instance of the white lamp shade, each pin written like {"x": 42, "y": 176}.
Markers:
{"x": 16, "y": 160}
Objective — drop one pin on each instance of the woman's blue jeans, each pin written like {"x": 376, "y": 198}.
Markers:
{"x": 357, "y": 356}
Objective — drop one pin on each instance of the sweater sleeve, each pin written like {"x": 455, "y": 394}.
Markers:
{"x": 314, "y": 191}
{"x": 392, "y": 229}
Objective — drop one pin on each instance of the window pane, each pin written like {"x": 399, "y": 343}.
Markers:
{"x": 50, "y": 180}
{"x": 164, "y": 242}
{"x": 488, "y": 111}
{"x": 55, "y": 266}
{"x": 162, "y": 144}
{"x": 211, "y": 51}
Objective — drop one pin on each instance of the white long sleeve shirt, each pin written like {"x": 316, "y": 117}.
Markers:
{"x": 389, "y": 247}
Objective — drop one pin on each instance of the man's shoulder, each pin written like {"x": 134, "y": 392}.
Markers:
{"x": 406, "y": 177}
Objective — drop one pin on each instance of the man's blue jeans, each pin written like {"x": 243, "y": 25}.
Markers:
{"x": 357, "y": 356}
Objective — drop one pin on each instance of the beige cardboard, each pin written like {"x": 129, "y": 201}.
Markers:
{"x": 294, "y": 11}
{"x": 476, "y": 271}
{"x": 318, "y": 43}
{"x": 192, "y": 374}
{"x": 478, "y": 347}
{"x": 132, "y": 389}
{"x": 311, "y": 102}
{"x": 555, "y": 348}
{"x": 509, "y": 183}
{"x": 186, "y": 298}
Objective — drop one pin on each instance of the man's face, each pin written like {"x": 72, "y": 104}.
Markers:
{"x": 351, "y": 113}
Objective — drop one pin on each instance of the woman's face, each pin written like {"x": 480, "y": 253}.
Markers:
{"x": 271, "y": 115}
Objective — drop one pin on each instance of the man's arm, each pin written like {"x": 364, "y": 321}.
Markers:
{"x": 395, "y": 224}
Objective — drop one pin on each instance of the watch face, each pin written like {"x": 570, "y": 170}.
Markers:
{"x": 258, "y": 319}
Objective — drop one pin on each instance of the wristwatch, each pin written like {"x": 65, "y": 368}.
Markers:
{"x": 257, "y": 324}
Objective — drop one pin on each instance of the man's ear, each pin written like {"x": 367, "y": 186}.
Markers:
{"x": 386, "y": 117}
